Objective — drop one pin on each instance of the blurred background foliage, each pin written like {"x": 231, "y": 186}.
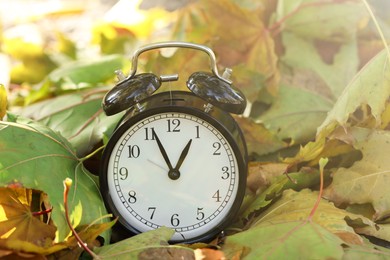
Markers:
{"x": 292, "y": 59}
{"x": 306, "y": 67}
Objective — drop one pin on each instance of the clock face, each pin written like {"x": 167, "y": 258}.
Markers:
{"x": 173, "y": 169}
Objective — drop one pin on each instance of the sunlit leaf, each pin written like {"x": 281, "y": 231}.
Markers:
{"x": 18, "y": 249}
{"x": 34, "y": 64}
{"x": 142, "y": 23}
{"x": 17, "y": 222}
{"x": 114, "y": 39}
{"x": 66, "y": 46}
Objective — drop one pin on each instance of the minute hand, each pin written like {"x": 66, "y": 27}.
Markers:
{"x": 163, "y": 152}
{"x": 183, "y": 155}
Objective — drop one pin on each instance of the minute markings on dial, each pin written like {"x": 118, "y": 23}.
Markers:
{"x": 189, "y": 136}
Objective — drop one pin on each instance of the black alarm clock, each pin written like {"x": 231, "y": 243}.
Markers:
{"x": 178, "y": 158}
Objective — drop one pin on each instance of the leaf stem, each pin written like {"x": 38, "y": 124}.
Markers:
{"x": 67, "y": 184}
{"x": 92, "y": 154}
{"x": 42, "y": 212}
{"x": 323, "y": 162}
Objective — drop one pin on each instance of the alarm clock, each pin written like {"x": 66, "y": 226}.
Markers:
{"x": 177, "y": 158}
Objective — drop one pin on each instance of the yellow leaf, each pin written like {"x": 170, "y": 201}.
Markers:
{"x": 127, "y": 14}
{"x": 34, "y": 61}
{"x": 238, "y": 37}
{"x": 367, "y": 180}
{"x": 258, "y": 138}
{"x": 17, "y": 222}
{"x": 296, "y": 206}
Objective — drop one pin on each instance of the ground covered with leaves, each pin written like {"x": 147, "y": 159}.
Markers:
{"x": 316, "y": 74}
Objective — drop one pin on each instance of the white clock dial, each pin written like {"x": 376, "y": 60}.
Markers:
{"x": 173, "y": 169}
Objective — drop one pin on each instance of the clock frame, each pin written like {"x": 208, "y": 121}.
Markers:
{"x": 184, "y": 103}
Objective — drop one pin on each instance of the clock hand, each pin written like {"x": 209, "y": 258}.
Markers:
{"x": 174, "y": 173}
{"x": 163, "y": 152}
{"x": 156, "y": 164}
{"x": 183, "y": 155}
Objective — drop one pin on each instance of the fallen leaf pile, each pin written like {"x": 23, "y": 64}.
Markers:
{"x": 317, "y": 77}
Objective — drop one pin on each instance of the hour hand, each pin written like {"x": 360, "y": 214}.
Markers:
{"x": 183, "y": 155}
{"x": 163, "y": 152}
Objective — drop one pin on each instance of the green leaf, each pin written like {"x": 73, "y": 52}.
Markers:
{"x": 36, "y": 157}
{"x": 296, "y": 114}
{"x": 294, "y": 240}
{"x": 77, "y": 116}
{"x": 78, "y": 74}
{"x": 148, "y": 245}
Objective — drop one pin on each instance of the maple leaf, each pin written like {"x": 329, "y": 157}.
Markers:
{"x": 248, "y": 51}
{"x": 36, "y": 157}
{"x": 366, "y": 181}
{"x": 295, "y": 240}
{"x": 17, "y": 222}
{"x": 360, "y": 95}
{"x": 290, "y": 227}
{"x": 335, "y": 20}
{"x": 295, "y": 206}
{"x": 259, "y": 140}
